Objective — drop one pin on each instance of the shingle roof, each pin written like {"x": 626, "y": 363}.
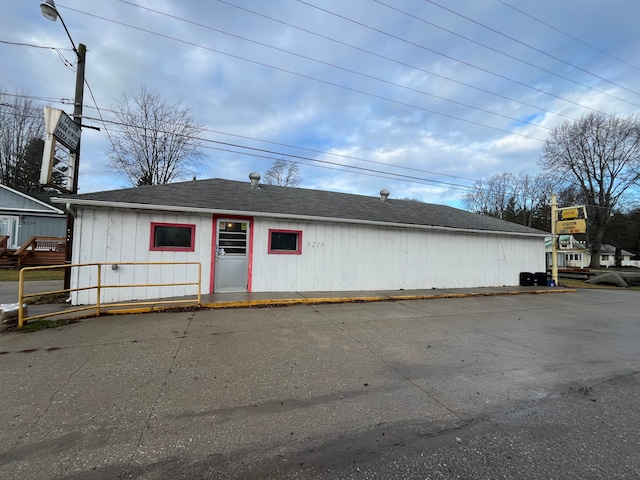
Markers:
{"x": 230, "y": 195}
{"x": 606, "y": 249}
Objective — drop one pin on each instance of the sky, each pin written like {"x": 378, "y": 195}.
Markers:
{"x": 418, "y": 97}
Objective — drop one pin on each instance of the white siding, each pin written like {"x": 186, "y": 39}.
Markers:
{"x": 353, "y": 257}
{"x": 335, "y": 257}
{"x": 120, "y": 236}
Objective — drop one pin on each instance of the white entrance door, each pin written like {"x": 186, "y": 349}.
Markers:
{"x": 231, "y": 256}
{"x": 9, "y": 227}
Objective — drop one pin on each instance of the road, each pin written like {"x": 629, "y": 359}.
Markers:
{"x": 518, "y": 386}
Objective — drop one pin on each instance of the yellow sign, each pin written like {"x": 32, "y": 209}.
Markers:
{"x": 569, "y": 213}
{"x": 571, "y": 226}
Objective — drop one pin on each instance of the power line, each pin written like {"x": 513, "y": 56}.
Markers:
{"x": 308, "y": 161}
{"x": 384, "y": 57}
{"x": 380, "y": 97}
{"x": 289, "y": 52}
{"x": 99, "y": 111}
{"x": 569, "y": 35}
{"x": 20, "y": 44}
{"x": 513, "y": 57}
{"x": 542, "y": 52}
{"x": 316, "y": 163}
{"x": 344, "y": 168}
{"x": 290, "y": 155}
{"x": 482, "y": 69}
{"x": 66, "y": 62}
{"x": 349, "y": 157}
{"x": 323, "y": 152}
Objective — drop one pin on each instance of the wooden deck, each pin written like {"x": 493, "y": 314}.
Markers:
{"x": 37, "y": 251}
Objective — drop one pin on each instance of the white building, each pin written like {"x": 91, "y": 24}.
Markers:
{"x": 575, "y": 254}
{"x": 262, "y": 238}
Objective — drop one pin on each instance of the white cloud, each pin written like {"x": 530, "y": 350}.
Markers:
{"x": 254, "y": 92}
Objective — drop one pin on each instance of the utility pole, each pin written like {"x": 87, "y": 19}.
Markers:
{"x": 554, "y": 239}
{"x": 50, "y": 12}
{"x": 75, "y": 156}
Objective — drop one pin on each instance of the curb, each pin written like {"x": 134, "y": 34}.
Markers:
{"x": 391, "y": 298}
{"x": 261, "y": 303}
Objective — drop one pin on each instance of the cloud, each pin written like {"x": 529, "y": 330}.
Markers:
{"x": 425, "y": 104}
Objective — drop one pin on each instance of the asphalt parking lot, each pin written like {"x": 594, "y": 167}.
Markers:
{"x": 518, "y": 386}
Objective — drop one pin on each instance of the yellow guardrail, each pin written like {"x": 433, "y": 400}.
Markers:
{"x": 100, "y": 307}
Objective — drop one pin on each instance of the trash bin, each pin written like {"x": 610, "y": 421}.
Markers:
{"x": 526, "y": 279}
{"x": 540, "y": 279}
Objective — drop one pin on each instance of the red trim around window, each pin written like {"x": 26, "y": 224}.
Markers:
{"x": 286, "y": 252}
{"x": 190, "y": 248}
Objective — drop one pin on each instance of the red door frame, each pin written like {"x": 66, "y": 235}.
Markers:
{"x": 249, "y": 249}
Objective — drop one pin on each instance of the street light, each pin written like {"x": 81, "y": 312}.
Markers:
{"x": 50, "y": 12}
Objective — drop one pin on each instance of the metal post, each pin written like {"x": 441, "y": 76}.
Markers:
{"x": 20, "y": 299}
{"x": 99, "y": 289}
{"x": 554, "y": 240}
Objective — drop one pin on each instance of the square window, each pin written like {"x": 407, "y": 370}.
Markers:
{"x": 285, "y": 241}
{"x": 172, "y": 237}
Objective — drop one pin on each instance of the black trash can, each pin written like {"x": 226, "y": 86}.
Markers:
{"x": 526, "y": 279}
{"x": 540, "y": 279}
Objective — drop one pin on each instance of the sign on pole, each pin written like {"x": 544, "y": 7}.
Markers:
{"x": 59, "y": 128}
{"x": 571, "y": 220}
{"x": 566, "y": 227}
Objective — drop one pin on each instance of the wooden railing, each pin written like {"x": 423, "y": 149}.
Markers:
{"x": 4, "y": 240}
{"x": 39, "y": 251}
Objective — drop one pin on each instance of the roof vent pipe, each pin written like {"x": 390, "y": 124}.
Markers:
{"x": 255, "y": 179}
{"x": 384, "y": 194}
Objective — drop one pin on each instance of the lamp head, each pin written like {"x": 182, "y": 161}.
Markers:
{"x": 48, "y": 9}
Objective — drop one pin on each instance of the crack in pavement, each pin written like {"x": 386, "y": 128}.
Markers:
{"x": 160, "y": 390}
{"x": 45, "y": 411}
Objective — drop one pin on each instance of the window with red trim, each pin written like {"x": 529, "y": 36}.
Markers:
{"x": 285, "y": 242}
{"x": 173, "y": 237}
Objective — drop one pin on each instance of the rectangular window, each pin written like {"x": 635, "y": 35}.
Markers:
{"x": 232, "y": 238}
{"x": 172, "y": 237}
{"x": 285, "y": 241}
{"x": 605, "y": 258}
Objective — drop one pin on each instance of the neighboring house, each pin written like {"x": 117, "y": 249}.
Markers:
{"x": 608, "y": 257}
{"x": 571, "y": 253}
{"x": 575, "y": 254}
{"x": 23, "y": 216}
{"x": 264, "y": 238}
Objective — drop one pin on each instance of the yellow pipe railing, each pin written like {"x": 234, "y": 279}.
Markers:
{"x": 99, "y": 287}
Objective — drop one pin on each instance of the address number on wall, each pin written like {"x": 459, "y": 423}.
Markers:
{"x": 315, "y": 244}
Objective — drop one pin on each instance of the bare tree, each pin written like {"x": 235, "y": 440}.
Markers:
{"x": 283, "y": 173}
{"x": 521, "y": 198}
{"x": 21, "y": 124}
{"x": 601, "y": 154}
{"x": 156, "y": 142}
{"x": 491, "y": 196}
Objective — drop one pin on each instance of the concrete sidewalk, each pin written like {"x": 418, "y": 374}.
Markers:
{"x": 9, "y": 294}
{"x": 230, "y": 300}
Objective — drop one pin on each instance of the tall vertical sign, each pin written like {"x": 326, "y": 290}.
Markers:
{"x": 564, "y": 221}
{"x": 59, "y": 128}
